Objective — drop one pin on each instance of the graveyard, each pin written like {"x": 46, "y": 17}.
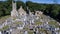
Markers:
{"x": 19, "y": 22}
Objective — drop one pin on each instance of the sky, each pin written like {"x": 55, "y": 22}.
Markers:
{"x": 42, "y": 1}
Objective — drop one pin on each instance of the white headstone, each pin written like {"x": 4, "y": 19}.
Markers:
{"x": 0, "y": 32}
{"x": 57, "y": 32}
{"x": 21, "y": 27}
{"x": 46, "y": 22}
{"x": 11, "y": 30}
{"x": 26, "y": 32}
{"x": 56, "y": 28}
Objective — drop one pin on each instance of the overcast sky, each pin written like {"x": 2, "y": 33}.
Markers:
{"x": 41, "y": 1}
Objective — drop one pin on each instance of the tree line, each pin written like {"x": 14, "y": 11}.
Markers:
{"x": 52, "y": 10}
{"x": 6, "y": 7}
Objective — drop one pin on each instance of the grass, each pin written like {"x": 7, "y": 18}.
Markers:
{"x": 29, "y": 32}
{"x": 5, "y": 27}
{"x": 41, "y": 29}
{"x": 2, "y": 19}
{"x": 1, "y": 29}
{"x": 19, "y": 23}
{"x": 26, "y": 29}
{"x": 38, "y": 23}
{"x": 14, "y": 18}
{"x": 54, "y": 23}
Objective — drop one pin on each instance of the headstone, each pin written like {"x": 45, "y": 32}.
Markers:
{"x": 53, "y": 32}
{"x": 32, "y": 20}
{"x": 26, "y": 32}
{"x": 56, "y": 29}
{"x": 37, "y": 32}
{"x": 20, "y": 27}
{"x": 57, "y": 32}
{"x": 11, "y": 30}
{"x": 46, "y": 22}
{"x": 0, "y": 32}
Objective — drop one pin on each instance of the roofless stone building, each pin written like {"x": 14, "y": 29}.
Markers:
{"x": 15, "y": 13}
